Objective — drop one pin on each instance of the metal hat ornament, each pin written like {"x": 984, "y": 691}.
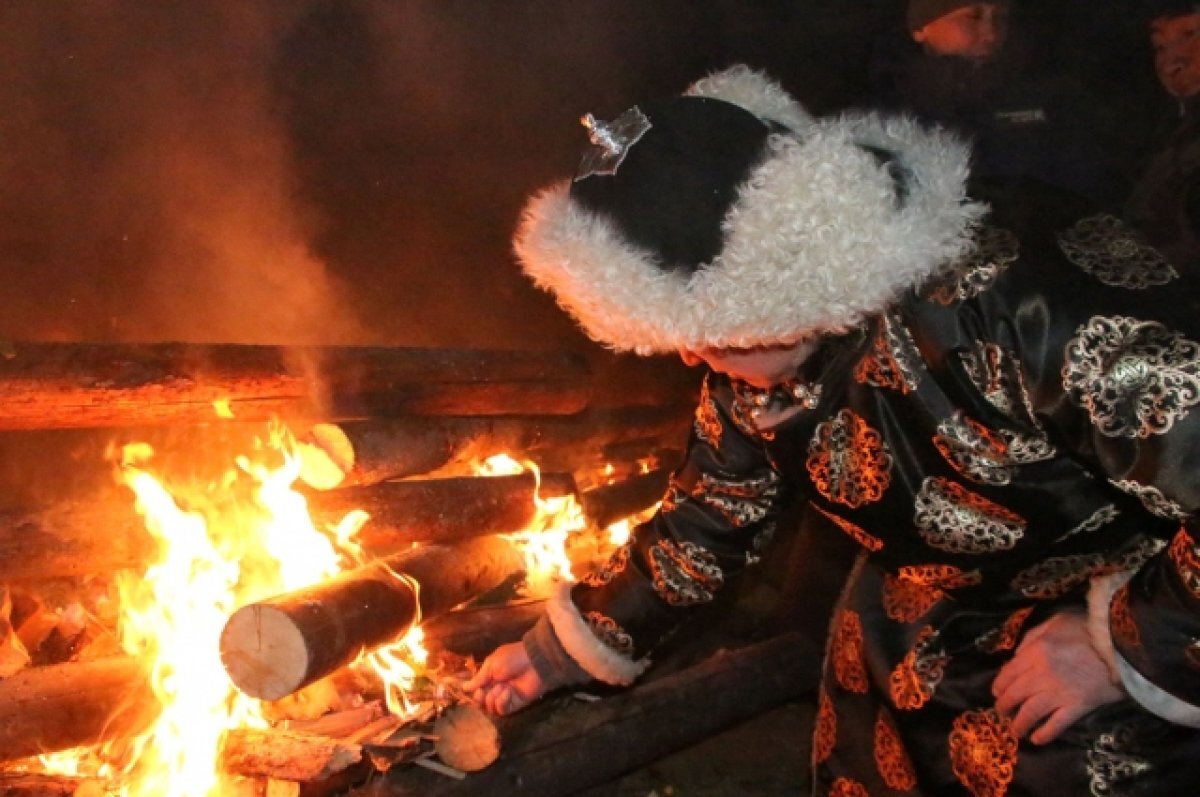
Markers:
{"x": 611, "y": 142}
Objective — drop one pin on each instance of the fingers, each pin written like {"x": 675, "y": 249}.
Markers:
{"x": 480, "y": 679}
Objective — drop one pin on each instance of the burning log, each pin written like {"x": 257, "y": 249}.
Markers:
{"x": 72, "y": 538}
{"x": 590, "y": 745}
{"x": 603, "y": 506}
{"x": 366, "y": 452}
{"x": 478, "y": 630}
{"x": 275, "y": 647}
{"x": 45, "y": 709}
{"x": 61, "y": 385}
{"x": 28, "y": 784}
{"x": 440, "y": 510}
{"x": 285, "y": 755}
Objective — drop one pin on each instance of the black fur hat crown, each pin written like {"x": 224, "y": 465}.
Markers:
{"x": 728, "y": 217}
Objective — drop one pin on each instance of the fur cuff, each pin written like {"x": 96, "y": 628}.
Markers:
{"x": 600, "y": 661}
{"x": 1148, "y": 696}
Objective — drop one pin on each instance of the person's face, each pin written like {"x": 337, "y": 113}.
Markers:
{"x": 974, "y": 31}
{"x": 1176, "y": 43}
{"x": 761, "y": 366}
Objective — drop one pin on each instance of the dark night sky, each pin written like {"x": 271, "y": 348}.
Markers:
{"x": 349, "y": 171}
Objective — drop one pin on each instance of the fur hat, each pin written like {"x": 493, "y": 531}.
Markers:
{"x": 728, "y": 217}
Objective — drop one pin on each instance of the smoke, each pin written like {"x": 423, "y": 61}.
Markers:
{"x": 147, "y": 187}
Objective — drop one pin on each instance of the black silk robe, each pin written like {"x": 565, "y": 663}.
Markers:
{"x": 1005, "y": 440}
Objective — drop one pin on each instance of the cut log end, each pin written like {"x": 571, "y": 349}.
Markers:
{"x": 264, "y": 652}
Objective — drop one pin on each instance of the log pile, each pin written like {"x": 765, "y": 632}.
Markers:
{"x": 399, "y": 429}
{"x": 392, "y": 432}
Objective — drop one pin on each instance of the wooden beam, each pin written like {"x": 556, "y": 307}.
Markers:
{"x": 562, "y": 747}
{"x": 605, "y": 505}
{"x": 63, "y": 385}
{"x": 367, "y": 452}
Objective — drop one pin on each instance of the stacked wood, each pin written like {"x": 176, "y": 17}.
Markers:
{"x": 273, "y": 648}
{"x": 440, "y": 510}
{"x": 478, "y": 630}
{"x": 603, "y": 506}
{"x": 62, "y": 385}
{"x": 370, "y": 451}
{"x": 557, "y": 748}
{"x": 61, "y": 706}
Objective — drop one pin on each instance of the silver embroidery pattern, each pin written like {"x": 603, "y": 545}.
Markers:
{"x": 894, "y": 361}
{"x": 1152, "y": 498}
{"x": 1107, "y": 249}
{"x": 994, "y": 373}
{"x": 1134, "y": 378}
{"x": 684, "y": 573}
{"x": 1057, "y": 575}
{"x": 978, "y": 269}
{"x": 914, "y": 680}
{"x": 951, "y": 518}
{"x": 973, "y": 450}
{"x": 1094, "y": 522}
{"x": 1109, "y": 764}
{"x": 848, "y": 461}
{"x": 740, "y": 501}
{"x": 1025, "y": 449}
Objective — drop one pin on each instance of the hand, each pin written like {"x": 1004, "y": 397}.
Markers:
{"x": 507, "y": 681}
{"x": 1054, "y": 678}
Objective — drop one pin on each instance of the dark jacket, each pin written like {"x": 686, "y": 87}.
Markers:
{"x": 1165, "y": 202}
{"x": 1016, "y": 438}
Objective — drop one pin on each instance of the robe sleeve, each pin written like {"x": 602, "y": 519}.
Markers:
{"x": 1106, "y": 333}
{"x": 720, "y": 508}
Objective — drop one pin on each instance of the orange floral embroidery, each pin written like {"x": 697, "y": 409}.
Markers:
{"x": 1186, "y": 559}
{"x": 847, "y": 651}
{"x": 868, "y": 541}
{"x": 913, "y": 591}
{"x": 1121, "y": 622}
{"x": 890, "y": 756}
{"x": 708, "y": 421}
{"x": 848, "y": 461}
{"x": 983, "y": 752}
{"x": 914, "y": 680}
{"x": 825, "y": 732}
{"x": 844, "y": 787}
{"x": 1005, "y": 637}
{"x": 893, "y": 361}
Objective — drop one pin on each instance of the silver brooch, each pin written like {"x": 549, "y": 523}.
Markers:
{"x": 611, "y": 141}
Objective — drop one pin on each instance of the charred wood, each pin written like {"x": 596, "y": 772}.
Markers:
{"x": 585, "y": 745}
{"x": 440, "y": 510}
{"x": 29, "y": 784}
{"x": 478, "y": 630}
{"x": 72, "y": 538}
{"x": 275, "y": 647}
{"x": 60, "y": 385}
{"x": 45, "y": 709}
{"x": 605, "y": 505}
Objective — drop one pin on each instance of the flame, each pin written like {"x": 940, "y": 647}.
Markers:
{"x": 544, "y": 541}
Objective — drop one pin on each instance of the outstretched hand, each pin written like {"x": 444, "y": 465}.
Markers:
{"x": 1054, "y": 678}
{"x": 506, "y": 682}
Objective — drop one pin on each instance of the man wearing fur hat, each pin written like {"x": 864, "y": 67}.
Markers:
{"x": 964, "y": 69}
{"x": 1165, "y": 201}
{"x": 1003, "y": 415}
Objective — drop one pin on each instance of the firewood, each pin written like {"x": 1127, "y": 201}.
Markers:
{"x": 44, "y": 709}
{"x": 272, "y": 648}
{"x": 366, "y": 452}
{"x": 466, "y": 738}
{"x": 72, "y": 538}
{"x": 561, "y": 747}
{"x": 603, "y": 506}
{"x": 478, "y": 630}
{"x": 337, "y": 724}
{"x": 63, "y": 385}
{"x": 284, "y": 755}
{"x": 30, "y": 784}
{"x": 439, "y": 510}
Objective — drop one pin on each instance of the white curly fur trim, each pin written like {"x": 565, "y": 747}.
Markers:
{"x": 600, "y": 661}
{"x": 816, "y": 241}
{"x": 1150, "y": 697}
{"x": 757, "y": 93}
